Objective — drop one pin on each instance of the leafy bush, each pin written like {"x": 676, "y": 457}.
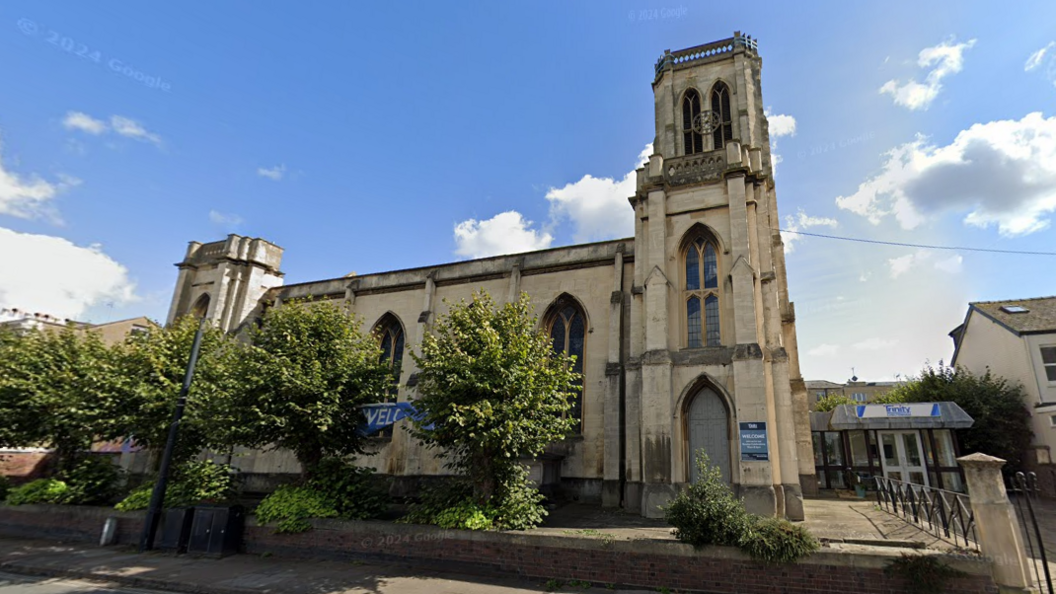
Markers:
{"x": 707, "y": 512}
{"x": 93, "y": 480}
{"x": 191, "y": 483}
{"x": 352, "y": 489}
{"x": 5, "y": 486}
{"x": 515, "y": 506}
{"x": 466, "y": 516}
{"x": 924, "y": 574}
{"x": 776, "y": 540}
{"x": 831, "y": 401}
{"x": 38, "y": 491}
{"x": 292, "y": 505}
{"x": 336, "y": 489}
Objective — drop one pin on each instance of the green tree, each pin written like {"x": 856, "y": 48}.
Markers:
{"x": 491, "y": 390}
{"x": 1002, "y": 420}
{"x": 832, "y": 401}
{"x": 302, "y": 382}
{"x": 155, "y": 364}
{"x": 61, "y": 390}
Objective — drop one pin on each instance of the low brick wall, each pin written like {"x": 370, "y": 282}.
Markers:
{"x": 637, "y": 563}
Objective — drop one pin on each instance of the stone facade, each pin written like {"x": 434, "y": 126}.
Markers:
{"x": 688, "y": 329}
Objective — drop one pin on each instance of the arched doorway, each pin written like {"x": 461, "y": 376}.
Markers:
{"x": 708, "y": 429}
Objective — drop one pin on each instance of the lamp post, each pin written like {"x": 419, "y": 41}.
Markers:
{"x": 150, "y": 523}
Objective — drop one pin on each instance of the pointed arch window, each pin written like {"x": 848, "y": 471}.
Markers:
{"x": 701, "y": 294}
{"x": 568, "y": 332}
{"x": 201, "y": 307}
{"x": 692, "y": 142}
{"x": 389, "y": 331}
{"x": 720, "y": 105}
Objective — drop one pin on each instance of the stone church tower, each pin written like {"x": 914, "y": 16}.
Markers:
{"x": 713, "y": 340}
{"x": 224, "y": 281}
{"x": 684, "y": 334}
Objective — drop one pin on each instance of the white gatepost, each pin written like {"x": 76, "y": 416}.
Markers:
{"x": 995, "y": 523}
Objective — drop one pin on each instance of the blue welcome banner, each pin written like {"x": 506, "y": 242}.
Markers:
{"x": 382, "y": 415}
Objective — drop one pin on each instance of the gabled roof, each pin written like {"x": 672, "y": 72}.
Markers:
{"x": 1039, "y": 317}
{"x": 821, "y": 385}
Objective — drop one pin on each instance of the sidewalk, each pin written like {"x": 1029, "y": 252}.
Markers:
{"x": 244, "y": 574}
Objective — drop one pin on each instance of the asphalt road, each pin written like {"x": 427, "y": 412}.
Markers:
{"x": 19, "y": 584}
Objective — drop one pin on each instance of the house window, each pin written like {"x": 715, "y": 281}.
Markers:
{"x": 568, "y": 328}
{"x": 820, "y": 395}
{"x": 858, "y": 397}
{"x": 692, "y": 142}
{"x": 720, "y": 105}
{"x": 1048, "y": 360}
{"x": 1052, "y": 420}
{"x": 702, "y": 294}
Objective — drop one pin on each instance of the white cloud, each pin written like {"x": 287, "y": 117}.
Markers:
{"x": 52, "y": 275}
{"x": 505, "y": 233}
{"x": 1037, "y": 57}
{"x": 76, "y": 120}
{"x": 1001, "y": 173}
{"x": 864, "y": 277}
{"x": 224, "y": 220}
{"x": 273, "y": 173}
{"x": 874, "y": 344}
{"x": 824, "y": 350}
{"x": 30, "y": 196}
{"x": 903, "y": 264}
{"x": 120, "y": 125}
{"x": 801, "y": 222}
{"x": 598, "y": 206}
{"x": 779, "y": 125}
{"x": 132, "y": 129}
{"x": 947, "y": 58}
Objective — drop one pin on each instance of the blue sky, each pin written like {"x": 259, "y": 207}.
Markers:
{"x": 380, "y": 136}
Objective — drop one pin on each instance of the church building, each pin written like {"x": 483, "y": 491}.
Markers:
{"x": 684, "y": 333}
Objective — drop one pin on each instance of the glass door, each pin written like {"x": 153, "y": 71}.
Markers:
{"x": 903, "y": 456}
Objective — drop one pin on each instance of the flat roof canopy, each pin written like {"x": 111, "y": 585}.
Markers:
{"x": 914, "y": 415}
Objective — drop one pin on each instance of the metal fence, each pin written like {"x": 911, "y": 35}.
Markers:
{"x": 946, "y": 514}
{"x": 1023, "y": 493}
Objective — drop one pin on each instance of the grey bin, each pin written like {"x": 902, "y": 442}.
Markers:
{"x": 175, "y": 529}
{"x": 217, "y": 530}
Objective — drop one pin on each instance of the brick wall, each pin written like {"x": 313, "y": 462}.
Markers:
{"x": 22, "y": 467}
{"x": 639, "y": 563}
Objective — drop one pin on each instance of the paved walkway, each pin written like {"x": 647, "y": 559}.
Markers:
{"x": 244, "y": 574}
{"x": 833, "y": 520}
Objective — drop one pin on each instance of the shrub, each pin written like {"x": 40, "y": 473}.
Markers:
{"x": 292, "y": 505}
{"x": 191, "y": 483}
{"x": 354, "y": 492}
{"x": 707, "y": 512}
{"x": 466, "y": 515}
{"x": 776, "y": 540}
{"x": 5, "y": 486}
{"x": 924, "y": 574}
{"x": 93, "y": 480}
{"x": 38, "y": 491}
{"x": 451, "y": 504}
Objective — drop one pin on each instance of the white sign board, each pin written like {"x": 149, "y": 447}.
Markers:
{"x": 889, "y": 411}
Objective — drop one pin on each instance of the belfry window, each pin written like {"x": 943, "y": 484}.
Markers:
{"x": 568, "y": 333}
{"x": 720, "y": 106}
{"x": 692, "y": 141}
{"x": 701, "y": 294}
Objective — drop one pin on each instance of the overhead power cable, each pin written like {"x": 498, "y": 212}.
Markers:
{"x": 920, "y": 245}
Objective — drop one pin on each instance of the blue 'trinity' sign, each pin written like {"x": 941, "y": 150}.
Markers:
{"x": 381, "y": 415}
{"x": 754, "y": 445}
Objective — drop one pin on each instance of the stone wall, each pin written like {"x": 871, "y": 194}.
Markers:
{"x": 637, "y": 563}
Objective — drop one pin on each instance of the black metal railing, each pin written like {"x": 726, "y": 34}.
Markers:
{"x": 946, "y": 514}
{"x": 1023, "y": 493}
